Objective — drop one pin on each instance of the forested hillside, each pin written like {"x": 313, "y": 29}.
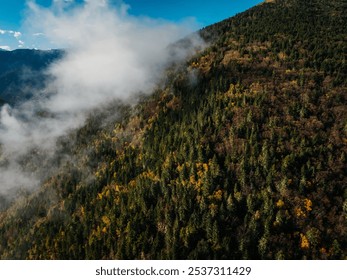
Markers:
{"x": 240, "y": 154}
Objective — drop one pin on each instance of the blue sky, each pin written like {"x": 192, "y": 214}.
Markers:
{"x": 204, "y": 12}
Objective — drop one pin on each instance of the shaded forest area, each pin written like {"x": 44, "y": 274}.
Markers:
{"x": 240, "y": 155}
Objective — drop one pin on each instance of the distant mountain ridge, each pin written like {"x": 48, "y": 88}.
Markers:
{"x": 22, "y": 70}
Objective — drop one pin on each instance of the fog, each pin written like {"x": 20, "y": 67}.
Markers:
{"x": 109, "y": 55}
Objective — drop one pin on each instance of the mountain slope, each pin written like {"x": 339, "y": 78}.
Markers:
{"x": 240, "y": 155}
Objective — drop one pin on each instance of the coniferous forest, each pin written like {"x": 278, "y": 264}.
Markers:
{"x": 239, "y": 154}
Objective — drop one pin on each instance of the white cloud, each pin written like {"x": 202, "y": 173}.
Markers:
{"x": 12, "y": 37}
{"x": 21, "y": 44}
{"x": 102, "y": 3}
{"x": 7, "y": 48}
{"x": 17, "y": 34}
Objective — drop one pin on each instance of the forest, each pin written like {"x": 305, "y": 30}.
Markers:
{"x": 239, "y": 154}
